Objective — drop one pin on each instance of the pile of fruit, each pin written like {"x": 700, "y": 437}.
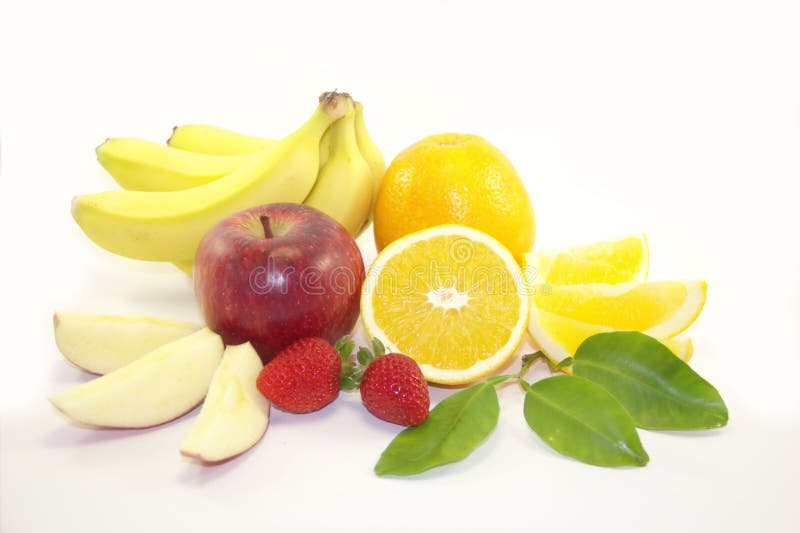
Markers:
{"x": 266, "y": 229}
{"x": 174, "y": 196}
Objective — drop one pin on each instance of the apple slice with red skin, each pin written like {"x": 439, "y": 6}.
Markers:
{"x": 152, "y": 390}
{"x": 235, "y": 415}
{"x": 103, "y": 343}
{"x": 277, "y": 273}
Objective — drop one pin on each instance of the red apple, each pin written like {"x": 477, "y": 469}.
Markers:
{"x": 277, "y": 273}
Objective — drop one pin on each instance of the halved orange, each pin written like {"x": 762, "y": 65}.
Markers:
{"x": 450, "y": 297}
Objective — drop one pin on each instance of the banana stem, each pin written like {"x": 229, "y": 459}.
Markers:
{"x": 335, "y": 104}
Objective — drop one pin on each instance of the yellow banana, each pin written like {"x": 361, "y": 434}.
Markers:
{"x": 343, "y": 189}
{"x": 168, "y": 226}
{"x": 204, "y": 139}
{"x": 147, "y": 166}
{"x": 368, "y": 148}
{"x": 325, "y": 147}
{"x": 187, "y": 267}
{"x": 218, "y": 141}
{"x": 211, "y": 140}
{"x": 373, "y": 157}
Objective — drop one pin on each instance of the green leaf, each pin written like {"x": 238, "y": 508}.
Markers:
{"x": 364, "y": 356}
{"x": 378, "y": 348}
{"x": 658, "y": 389}
{"x": 564, "y": 363}
{"x": 580, "y": 419}
{"x": 454, "y": 428}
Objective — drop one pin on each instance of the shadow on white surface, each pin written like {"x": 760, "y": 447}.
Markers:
{"x": 696, "y": 434}
{"x": 70, "y": 434}
{"x": 282, "y": 418}
{"x": 199, "y": 473}
{"x": 67, "y": 374}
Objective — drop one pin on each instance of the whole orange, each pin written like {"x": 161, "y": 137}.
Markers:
{"x": 454, "y": 178}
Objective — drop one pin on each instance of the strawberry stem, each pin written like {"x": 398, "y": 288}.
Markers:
{"x": 378, "y": 347}
{"x": 353, "y": 371}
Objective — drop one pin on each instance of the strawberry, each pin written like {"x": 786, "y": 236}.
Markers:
{"x": 393, "y": 389}
{"x": 303, "y": 377}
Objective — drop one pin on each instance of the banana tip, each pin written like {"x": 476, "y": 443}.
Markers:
{"x": 73, "y": 207}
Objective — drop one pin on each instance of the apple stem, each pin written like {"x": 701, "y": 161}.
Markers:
{"x": 267, "y": 229}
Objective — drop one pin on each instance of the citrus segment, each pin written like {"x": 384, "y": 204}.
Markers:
{"x": 681, "y": 347}
{"x": 564, "y": 316}
{"x": 620, "y": 261}
{"x": 663, "y": 308}
{"x": 450, "y": 297}
{"x": 559, "y": 337}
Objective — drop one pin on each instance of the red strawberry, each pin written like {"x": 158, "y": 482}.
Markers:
{"x": 303, "y": 377}
{"x": 394, "y": 390}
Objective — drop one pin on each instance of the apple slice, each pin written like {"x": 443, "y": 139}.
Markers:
{"x": 103, "y": 343}
{"x": 235, "y": 415}
{"x": 156, "y": 388}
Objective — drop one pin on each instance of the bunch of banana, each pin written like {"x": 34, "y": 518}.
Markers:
{"x": 174, "y": 194}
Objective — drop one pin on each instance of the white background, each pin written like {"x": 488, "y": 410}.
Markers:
{"x": 680, "y": 119}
